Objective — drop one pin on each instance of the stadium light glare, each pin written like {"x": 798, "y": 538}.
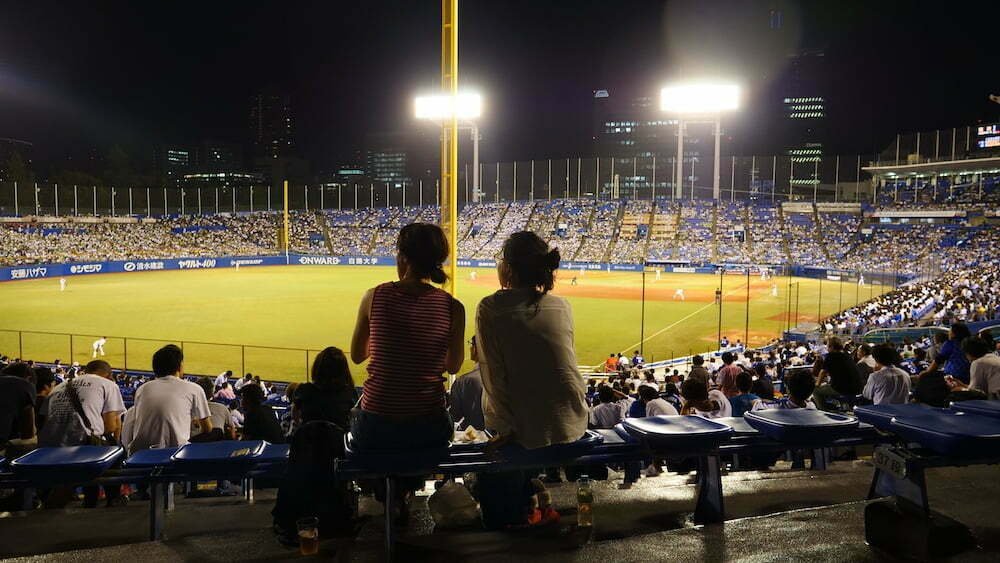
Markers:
{"x": 465, "y": 106}
{"x": 700, "y": 98}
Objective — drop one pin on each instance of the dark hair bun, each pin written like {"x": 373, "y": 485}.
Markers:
{"x": 552, "y": 259}
{"x": 425, "y": 248}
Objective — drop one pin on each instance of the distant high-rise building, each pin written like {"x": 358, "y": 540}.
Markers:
{"x": 272, "y": 126}
{"x": 804, "y": 103}
{"x": 172, "y": 162}
{"x": 217, "y": 156}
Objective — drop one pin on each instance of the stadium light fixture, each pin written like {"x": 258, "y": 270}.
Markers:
{"x": 467, "y": 107}
{"x": 697, "y": 102}
{"x": 703, "y": 99}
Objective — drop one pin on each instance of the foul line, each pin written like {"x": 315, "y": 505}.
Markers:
{"x": 675, "y": 323}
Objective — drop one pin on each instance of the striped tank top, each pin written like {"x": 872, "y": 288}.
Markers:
{"x": 408, "y": 341}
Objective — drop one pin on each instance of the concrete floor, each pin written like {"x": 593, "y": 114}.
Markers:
{"x": 774, "y": 515}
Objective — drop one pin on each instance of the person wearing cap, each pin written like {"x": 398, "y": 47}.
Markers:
{"x": 466, "y": 405}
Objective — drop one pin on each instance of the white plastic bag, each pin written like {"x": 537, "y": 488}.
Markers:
{"x": 452, "y": 506}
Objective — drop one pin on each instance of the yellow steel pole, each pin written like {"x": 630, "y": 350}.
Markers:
{"x": 285, "y": 226}
{"x": 449, "y": 137}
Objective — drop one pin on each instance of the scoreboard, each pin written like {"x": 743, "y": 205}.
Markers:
{"x": 988, "y": 136}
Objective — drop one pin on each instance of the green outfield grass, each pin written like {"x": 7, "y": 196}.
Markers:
{"x": 271, "y": 320}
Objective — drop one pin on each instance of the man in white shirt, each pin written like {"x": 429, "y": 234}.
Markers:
{"x": 612, "y": 408}
{"x": 888, "y": 384}
{"x": 984, "y": 371}
{"x": 98, "y": 398}
{"x": 90, "y": 404}
{"x": 222, "y": 378}
{"x": 166, "y": 406}
{"x": 655, "y": 406}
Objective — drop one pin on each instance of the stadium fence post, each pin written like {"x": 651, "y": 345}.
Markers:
{"x": 243, "y": 359}
{"x": 20, "y": 344}
{"x": 819, "y": 305}
{"x": 307, "y": 364}
{"x": 746, "y": 324}
{"x": 71, "y": 349}
{"x": 124, "y": 353}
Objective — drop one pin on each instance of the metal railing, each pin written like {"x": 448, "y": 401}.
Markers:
{"x": 127, "y": 352}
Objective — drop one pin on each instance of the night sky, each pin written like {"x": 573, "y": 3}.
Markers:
{"x": 80, "y": 75}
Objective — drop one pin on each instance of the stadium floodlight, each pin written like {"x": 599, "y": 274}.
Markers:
{"x": 694, "y": 103}
{"x": 466, "y": 106}
{"x": 703, "y": 99}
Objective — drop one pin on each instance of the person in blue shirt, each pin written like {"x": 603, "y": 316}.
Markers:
{"x": 950, "y": 359}
{"x": 744, "y": 401}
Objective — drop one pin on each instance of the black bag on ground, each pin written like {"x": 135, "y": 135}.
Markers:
{"x": 308, "y": 487}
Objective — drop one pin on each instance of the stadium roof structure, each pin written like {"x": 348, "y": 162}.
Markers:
{"x": 939, "y": 168}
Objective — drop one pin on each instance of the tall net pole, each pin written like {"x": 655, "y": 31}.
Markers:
{"x": 449, "y": 137}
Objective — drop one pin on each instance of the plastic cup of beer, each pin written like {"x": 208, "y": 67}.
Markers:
{"x": 308, "y": 535}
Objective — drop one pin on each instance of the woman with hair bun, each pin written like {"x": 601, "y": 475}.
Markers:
{"x": 533, "y": 393}
{"x": 411, "y": 332}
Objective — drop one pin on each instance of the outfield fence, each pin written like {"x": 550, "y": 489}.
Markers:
{"x": 131, "y": 353}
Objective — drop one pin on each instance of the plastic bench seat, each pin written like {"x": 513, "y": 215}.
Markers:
{"x": 229, "y": 456}
{"x": 155, "y": 457}
{"x": 980, "y": 407}
{"x": 880, "y": 416}
{"x": 678, "y": 432}
{"x": 64, "y": 466}
{"x": 802, "y": 426}
{"x": 273, "y": 454}
{"x": 951, "y": 433}
{"x": 739, "y": 425}
{"x": 398, "y": 462}
{"x": 552, "y": 455}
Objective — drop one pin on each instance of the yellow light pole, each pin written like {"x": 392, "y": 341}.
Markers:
{"x": 284, "y": 232}
{"x": 449, "y": 137}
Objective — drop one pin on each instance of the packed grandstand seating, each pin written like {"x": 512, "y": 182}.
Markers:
{"x": 681, "y": 232}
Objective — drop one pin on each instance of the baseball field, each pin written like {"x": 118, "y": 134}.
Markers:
{"x": 270, "y": 321}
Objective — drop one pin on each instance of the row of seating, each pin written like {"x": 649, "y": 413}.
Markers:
{"x": 967, "y": 433}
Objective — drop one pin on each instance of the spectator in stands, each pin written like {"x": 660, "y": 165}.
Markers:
{"x": 466, "y": 405}
{"x": 45, "y": 382}
{"x": 800, "y": 385}
{"x": 950, "y": 359}
{"x": 984, "y": 368}
{"x": 534, "y": 395}
{"x": 84, "y": 411}
{"x": 655, "y": 406}
{"x": 235, "y": 414}
{"x": 637, "y": 359}
{"x": 330, "y": 394}
{"x": 700, "y": 401}
{"x": 166, "y": 405}
{"x": 321, "y": 413}
{"x": 611, "y": 409}
{"x": 611, "y": 364}
{"x": 222, "y": 422}
{"x": 650, "y": 381}
{"x": 838, "y": 377}
{"x": 672, "y": 395}
{"x": 225, "y": 393}
{"x": 744, "y": 400}
{"x": 287, "y": 420}
{"x": 223, "y": 378}
{"x": 247, "y": 380}
{"x": 725, "y": 379}
{"x": 259, "y": 421}
{"x": 17, "y": 409}
{"x": 888, "y": 384}
{"x": 763, "y": 388}
{"x": 865, "y": 362}
{"x": 698, "y": 368}
{"x": 412, "y": 332}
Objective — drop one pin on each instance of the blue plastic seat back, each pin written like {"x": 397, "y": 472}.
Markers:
{"x": 69, "y": 465}
{"x": 155, "y": 457}
{"x": 880, "y": 416}
{"x": 679, "y": 432}
{"x": 951, "y": 433}
{"x": 222, "y": 455}
{"x": 739, "y": 425}
{"x": 980, "y": 407}
{"x": 273, "y": 453}
{"x": 802, "y": 427}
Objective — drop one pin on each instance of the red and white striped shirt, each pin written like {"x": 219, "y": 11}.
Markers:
{"x": 409, "y": 335}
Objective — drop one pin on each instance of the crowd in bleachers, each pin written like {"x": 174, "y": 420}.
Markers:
{"x": 586, "y": 230}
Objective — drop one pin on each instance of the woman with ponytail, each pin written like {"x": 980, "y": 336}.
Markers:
{"x": 533, "y": 393}
{"x": 411, "y": 333}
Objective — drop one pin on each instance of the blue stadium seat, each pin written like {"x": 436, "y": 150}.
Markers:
{"x": 69, "y": 465}
{"x": 951, "y": 433}
{"x": 880, "y": 416}
{"x": 980, "y": 407}
{"x": 228, "y": 457}
{"x": 802, "y": 426}
{"x": 678, "y": 433}
{"x": 155, "y": 457}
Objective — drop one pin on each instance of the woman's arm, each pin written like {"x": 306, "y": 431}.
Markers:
{"x": 359, "y": 342}
{"x": 456, "y": 344}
